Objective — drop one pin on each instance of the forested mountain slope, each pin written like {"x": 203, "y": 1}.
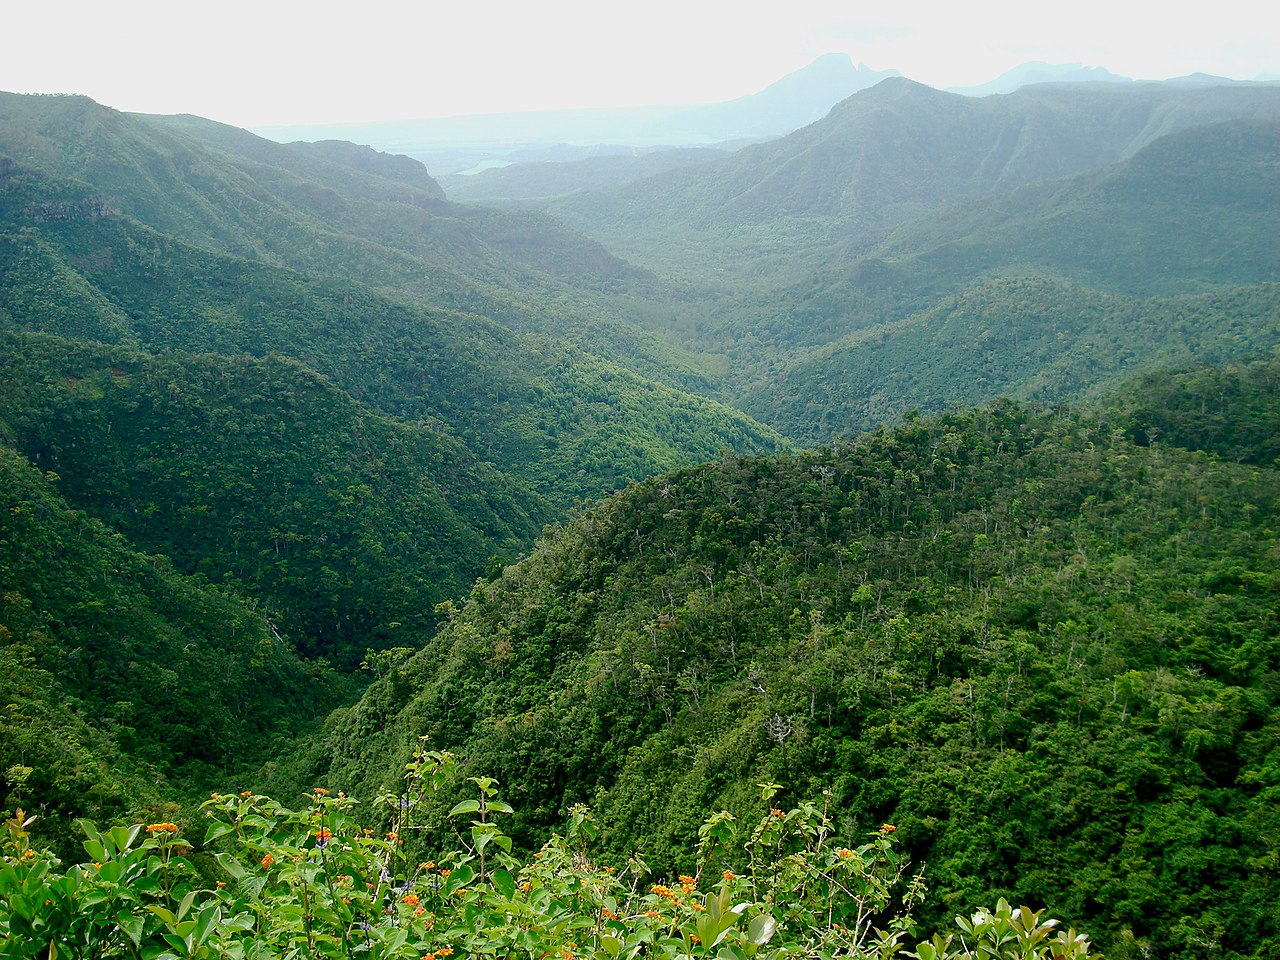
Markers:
{"x": 567, "y": 423}
{"x": 1046, "y": 654}
{"x": 887, "y": 155}
{"x": 1049, "y": 291}
{"x": 125, "y": 685}
{"x": 1026, "y": 338}
{"x": 334, "y": 210}
{"x": 347, "y": 527}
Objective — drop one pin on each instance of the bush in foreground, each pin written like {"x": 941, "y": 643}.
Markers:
{"x": 269, "y": 882}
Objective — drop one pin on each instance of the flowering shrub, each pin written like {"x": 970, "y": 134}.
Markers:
{"x": 271, "y": 882}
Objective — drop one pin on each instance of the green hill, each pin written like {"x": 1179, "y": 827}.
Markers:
{"x": 1025, "y": 338}
{"x": 1045, "y": 654}
{"x": 885, "y": 156}
{"x": 565, "y": 422}
{"x": 126, "y": 685}
{"x": 348, "y": 527}
{"x": 338, "y": 211}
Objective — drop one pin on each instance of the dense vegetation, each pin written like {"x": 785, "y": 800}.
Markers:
{"x": 268, "y": 411}
{"x": 124, "y": 683}
{"x": 1035, "y": 339}
{"x": 349, "y": 527}
{"x": 276, "y": 882}
{"x": 563, "y": 421}
{"x": 1046, "y": 654}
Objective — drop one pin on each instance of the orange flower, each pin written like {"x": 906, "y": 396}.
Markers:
{"x": 777, "y": 813}
{"x": 445, "y": 952}
{"x": 162, "y": 828}
{"x": 323, "y": 835}
{"x": 844, "y": 853}
{"x": 267, "y": 861}
{"x": 888, "y": 828}
{"x": 729, "y": 876}
{"x": 411, "y": 899}
{"x": 320, "y": 791}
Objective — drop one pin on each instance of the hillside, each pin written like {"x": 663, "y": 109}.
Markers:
{"x": 1045, "y": 654}
{"x": 1048, "y": 291}
{"x": 337, "y": 211}
{"x": 126, "y": 685}
{"x": 347, "y": 527}
{"x": 563, "y": 421}
{"x": 887, "y": 155}
{"x": 1033, "y": 339}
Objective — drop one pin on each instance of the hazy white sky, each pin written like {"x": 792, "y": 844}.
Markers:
{"x": 266, "y": 62}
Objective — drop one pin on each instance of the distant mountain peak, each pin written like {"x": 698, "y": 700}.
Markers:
{"x": 1038, "y": 71}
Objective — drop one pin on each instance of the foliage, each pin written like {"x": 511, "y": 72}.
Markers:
{"x": 347, "y": 526}
{"x": 274, "y": 882}
{"x": 124, "y": 684}
{"x": 1032, "y": 339}
{"x": 1045, "y": 653}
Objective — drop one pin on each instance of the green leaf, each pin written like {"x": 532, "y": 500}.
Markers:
{"x": 504, "y": 883}
{"x": 132, "y": 924}
{"x": 458, "y": 878}
{"x": 230, "y": 864}
{"x": 217, "y": 830}
{"x": 93, "y": 842}
{"x": 761, "y": 929}
{"x": 466, "y": 806}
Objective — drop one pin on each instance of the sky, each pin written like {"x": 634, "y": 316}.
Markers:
{"x": 267, "y": 62}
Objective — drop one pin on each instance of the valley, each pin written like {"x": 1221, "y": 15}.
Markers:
{"x": 918, "y": 454}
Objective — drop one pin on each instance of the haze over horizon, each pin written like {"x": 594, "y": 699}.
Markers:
{"x": 280, "y": 64}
